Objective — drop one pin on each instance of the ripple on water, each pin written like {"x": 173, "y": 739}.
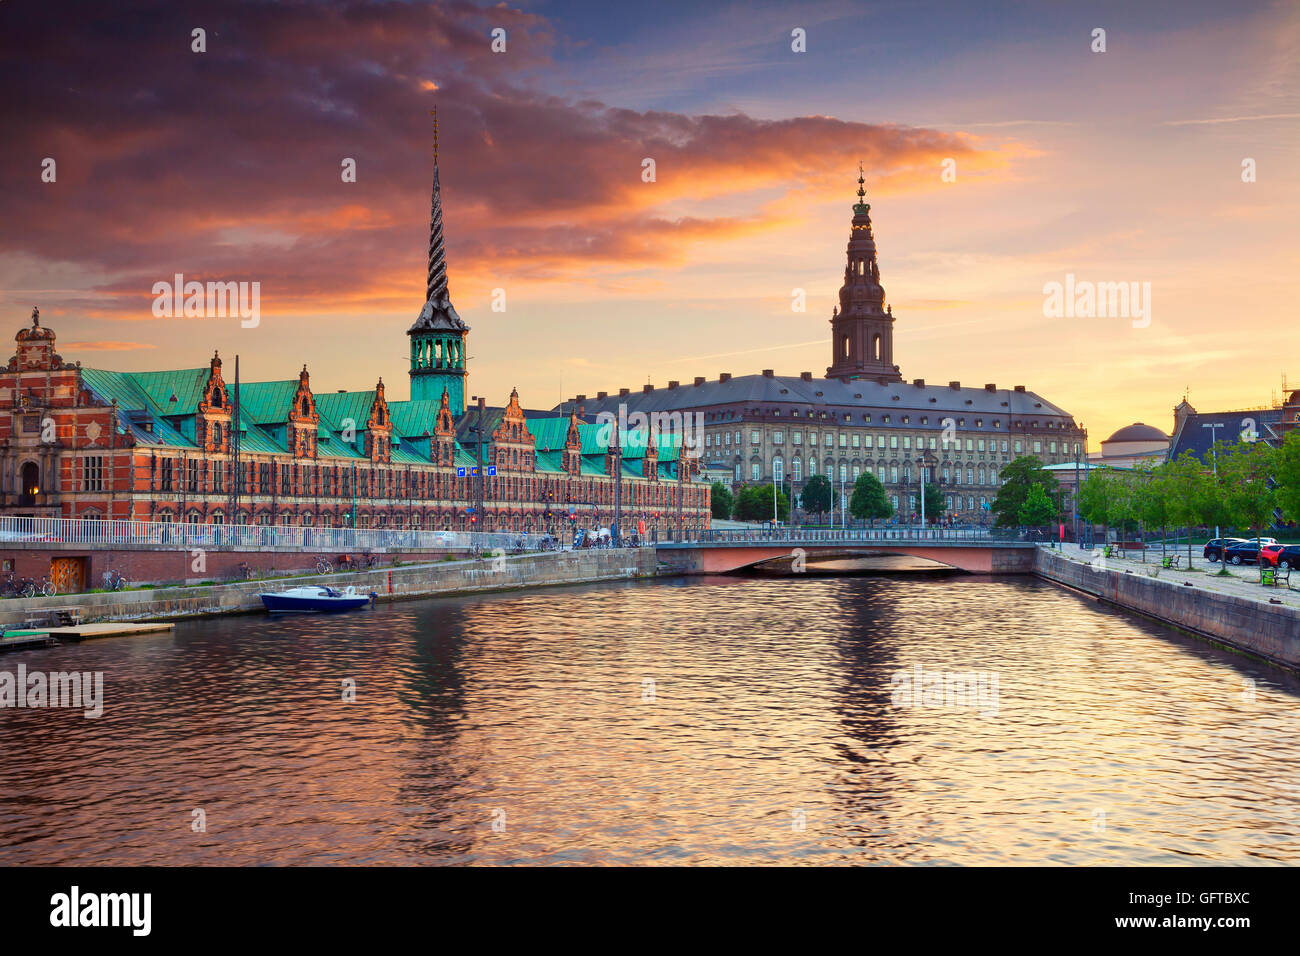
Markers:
{"x": 715, "y": 720}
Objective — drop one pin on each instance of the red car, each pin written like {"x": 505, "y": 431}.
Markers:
{"x": 1269, "y": 553}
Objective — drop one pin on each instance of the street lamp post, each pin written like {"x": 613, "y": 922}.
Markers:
{"x": 1214, "y": 454}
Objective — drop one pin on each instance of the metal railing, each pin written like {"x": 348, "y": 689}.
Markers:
{"x": 895, "y": 535}
{"x": 175, "y": 535}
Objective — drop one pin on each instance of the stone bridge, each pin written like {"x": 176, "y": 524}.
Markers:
{"x": 973, "y": 553}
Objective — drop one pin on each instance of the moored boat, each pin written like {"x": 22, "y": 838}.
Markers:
{"x": 314, "y": 599}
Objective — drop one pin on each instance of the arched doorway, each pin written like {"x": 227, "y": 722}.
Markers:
{"x": 31, "y": 484}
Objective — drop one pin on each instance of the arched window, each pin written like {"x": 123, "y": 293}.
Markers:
{"x": 306, "y": 405}
{"x": 31, "y": 483}
{"x": 844, "y": 341}
{"x": 875, "y": 348}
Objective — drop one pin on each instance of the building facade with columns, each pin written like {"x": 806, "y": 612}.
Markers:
{"x": 191, "y": 445}
{"x": 862, "y": 415}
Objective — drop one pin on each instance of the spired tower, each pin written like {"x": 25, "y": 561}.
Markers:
{"x": 862, "y": 327}
{"x": 438, "y": 335}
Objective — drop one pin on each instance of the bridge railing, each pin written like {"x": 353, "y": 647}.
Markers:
{"x": 175, "y": 535}
{"x": 795, "y": 536}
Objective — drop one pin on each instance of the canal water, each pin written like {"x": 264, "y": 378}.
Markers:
{"x": 849, "y": 720}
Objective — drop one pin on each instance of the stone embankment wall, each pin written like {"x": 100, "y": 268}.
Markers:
{"x": 427, "y": 580}
{"x": 1270, "y": 631}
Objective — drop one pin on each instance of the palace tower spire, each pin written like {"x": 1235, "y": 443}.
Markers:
{"x": 862, "y": 326}
{"x": 438, "y": 335}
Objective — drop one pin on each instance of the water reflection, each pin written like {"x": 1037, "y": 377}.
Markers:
{"x": 697, "y": 721}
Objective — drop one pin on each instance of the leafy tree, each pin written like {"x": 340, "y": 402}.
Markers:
{"x": 1017, "y": 480}
{"x": 935, "y": 503}
{"x": 1151, "y": 500}
{"x": 816, "y": 496}
{"x": 721, "y": 500}
{"x": 1181, "y": 481}
{"x": 868, "y": 500}
{"x": 1096, "y": 499}
{"x": 1038, "y": 509}
{"x": 1211, "y": 501}
{"x": 1244, "y": 473}
{"x": 754, "y": 503}
{"x": 1286, "y": 472}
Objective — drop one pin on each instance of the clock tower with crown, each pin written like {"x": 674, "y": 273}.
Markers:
{"x": 862, "y": 326}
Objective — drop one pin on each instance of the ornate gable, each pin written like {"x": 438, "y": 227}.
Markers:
{"x": 573, "y": 446}
{"x": 212, "y": 416}
{"x": 512, "y": 442}
{"x": 379, "y": 428}
{"x": 303, "y": 419}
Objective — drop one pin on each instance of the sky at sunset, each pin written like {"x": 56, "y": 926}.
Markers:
{"x": 1116, "y": 166}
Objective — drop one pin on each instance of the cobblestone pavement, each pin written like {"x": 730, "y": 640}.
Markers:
{"x": 1242, "y": 580}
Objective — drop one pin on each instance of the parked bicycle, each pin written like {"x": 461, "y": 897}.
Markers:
{"x": 114, "y": 581}
{"x": 242, "y": 572}
{"x": 323, "y": 565}
{"x": 43, "y": 587}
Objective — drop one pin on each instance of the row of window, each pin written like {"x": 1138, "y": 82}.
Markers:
{"x": 860, "y": 440}
{"x": 887, "y": 475}
{"x": 201, "y": 476}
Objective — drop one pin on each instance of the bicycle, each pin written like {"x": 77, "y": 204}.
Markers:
{"x": 242, "y": 572}
{"x": 323, "y": 565}
{"x": 114, "y": 581}
{"x": 44, "y": 587}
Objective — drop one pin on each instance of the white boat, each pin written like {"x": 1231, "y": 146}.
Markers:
{"x": 314, "y": 599}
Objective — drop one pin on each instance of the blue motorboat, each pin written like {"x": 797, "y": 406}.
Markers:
{"x": 315, "y": 599}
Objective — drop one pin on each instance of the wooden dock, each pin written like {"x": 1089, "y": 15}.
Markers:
{"x": 86, "y": 632}
{"x": 15, "y": 640}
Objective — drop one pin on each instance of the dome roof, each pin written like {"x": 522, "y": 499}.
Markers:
{"x": 1138, "y": 432}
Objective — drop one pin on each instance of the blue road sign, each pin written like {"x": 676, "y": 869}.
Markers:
{"x": 492, "y": 471}
{"x": 460, "y": 472}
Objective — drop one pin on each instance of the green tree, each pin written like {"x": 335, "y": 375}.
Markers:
{"x": 1211, "y": 502}
{"x": 1096, "y": 499}
{"x": 1017, "y": 480}
{"x": 1244, "y": 474}
{"x": 816, "y": 496}
{"x": 1151, "y": 500}
{"x": 868, "y": 500}
{"x": 721, "y": 500}
{"x": 1038, "y": 509}
{"x": 754, "y": 503}
{"x": 935, "y": 503}
{"x": 1286, "y": 472}
{"x": 1181, "y": 481}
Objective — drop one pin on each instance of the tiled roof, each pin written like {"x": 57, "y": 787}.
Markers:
{"x": 822, "y": 393}
{"x": 1195, "y": 438}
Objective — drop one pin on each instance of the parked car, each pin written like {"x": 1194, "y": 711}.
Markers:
{"x": 1244, "y": 552}
{"x": 1268, "y": 554}
{"x": 1286, "y": 556}
{"x": 1214, "y": 547}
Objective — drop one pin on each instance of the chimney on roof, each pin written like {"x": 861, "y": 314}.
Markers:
{"x": 1020, "y": 388}
{"x": 990, "y": 387}
{"x": 806, "y": 376}
{"x": 647, "y": 387}
{"x": 699, "y": 380}
{"x": 622, "y": 392}
{"x": 673, "y": 384}
{"x": 724, "y": 376}
{"x": 601, "y": 396}
{"x": 919, "y": 382}
{"x": 581, "y": 398}
{"x": 954, "y": 384}
{"x": 767, "y": 373}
